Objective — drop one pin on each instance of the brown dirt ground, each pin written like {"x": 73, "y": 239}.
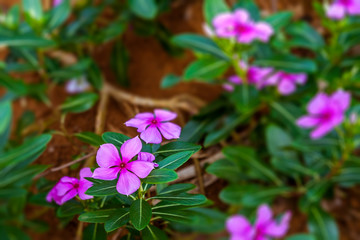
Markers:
{"x": 149, "y": 63}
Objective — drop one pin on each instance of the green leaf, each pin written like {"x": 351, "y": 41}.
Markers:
{"x": 33, "y": 10}
{"x": 226, "y": 169}
{"x": 292, "y": 167}
{"x": 251, "y": 7}
{"x": 5, "y": 116}
{"x": 301, "y": 237}
{"x": 119, "y": 63}
{"x": 200, "y": 44}
{"x": 25, "y": 41}
{"x": 140, "y": 214}
{"x": 59, "y": 14}
{"x": 170, "y": 80}
{"x": 146, "y": 9}
{"x": 94, "y": 76}
{"x": 99, "y": 216}
{"x": 114, "y": 30}
{"x": 288, "y": 63}
{"x": 175, "y": 147}
{"x": 176, "y": 160}
{"x": 177, "y": 188}
{"x": 77, "y": 70}
{"x": 161, "y": 176}
{"x": 212, "y": 8}
{"x": 153, "y": 233}
{"x": 118, "y": 219}
{"x": 321, "y": 224}
{"x": 6, "y": 193}
{"x": 94, "y": 231}
{"x": 277, "y": 140}
{"x": 70, "y": 208}
{"x": 180, "y": 216}
{"x": 90, "y": 138}
{"x": 104, "y": 188}
{"x": 279, "y": 20}
{"x": 79, "y": 103}
{"x": 22, "y": 175}
{"x": 348, "y": 176}
{"x": 14, "y": 85}
{"x": 182, "y": 198}
{"x": 12, "y": 19}
{"x": 28, "y": 151}
{"x": 304, "y": 35}
{"x": 206, "y": 69}
{"x": 117, "y": 139}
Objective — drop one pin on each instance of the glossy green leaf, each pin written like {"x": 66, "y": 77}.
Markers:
{"x": 304, "y": 35}
{"x": 22, "y": 175}
{"x": 104, "y": 188}
{"x": 177, "y": 188}
{"x": 322, "y": 225}
{"x": 160, "y": 176}
{"x": 226, "y": 169}
{"x": 119, "y": 63}
{"x": 6, "y": 193}
{"x": 277, "y": 140}
{"x": 180, "y": 216}
{"x": 251, "y": 7}
{"x": 94, "y": 231}
{"x": 182, "y": 198}
{"x": 175, "y": 147}
{"x": 79, "y": 103}
{"x": 301, "y": 237}
{"x": 146, "y": 9}
{"x": 118, "y": 219}
{"x": 33, "y": 10}
{"x": 99, "y": 216}
{"x": 176, "y": 160}
{"x": 212, "y": 8}
{"x": 59, "y": 14}
{"x": 140, "y": 214}
{"x": 170, "y": 80}
{"x": 279, "y": 20}
{"x": 153, "y": 233}
{"x": 25, "y": 41}
{"x": 5, "y": 116}
{"x": 200, "y": 44}
{"x": 94, "y": 76}
{"x": 70, "y": 208}
{"x": 90, "y": 138}
{"x": 288, "y": 63}
{"x": 117, "y": 139}
{"x": 206, "y": 69}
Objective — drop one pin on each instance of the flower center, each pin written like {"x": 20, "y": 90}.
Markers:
{"x": 76, "y": 185}
{"x": 122, "y": 165}
{"x": 154, "y": 121}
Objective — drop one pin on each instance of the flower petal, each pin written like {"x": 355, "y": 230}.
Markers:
{"x": 238, "y": 225}
{"x": 170, "y": 130}
{"x": 141, "y": 168}
{"x": 106, "y": 173}
{"x": 224, "y": 24}
{"x": 241, "y": 16}
{"x": 322, "y": 130}
{"x": 300, "y": 78}
{"x": 341, "y": 99}
{"x": 276, "y": 230}
{"x": 263, "y": 216}
{"x": 235, "y": 79}
{"x": 335, "y": 11}
{"x": 264, "y": 31}
{"x": 130, "y": 149}
{"x": 145, "y": 116}
{"x": 140, "y": 124}
{"x": 318, "y": 103}
{"x": 286, "y": 87}
{"x": 228, "y": 87}
{"x": 151, "y": 135}
{"x": 85, "y": 172}
{"x": 307, "y": 121}
{"x": 69, "y": 195}
{"x": 83, "y": 187}
{"x": 108, "y": 156}
{"x": 164, "y": 115}
{"x": 128, "y": 183}
{"x": 145, "y": 156}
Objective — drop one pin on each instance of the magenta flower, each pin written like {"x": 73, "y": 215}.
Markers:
{"x": 153, "y": 125}
{"x": 57, "y": 2}
{"x": 68, "y": 187}
{"x": 112, "y": 165}
{"x": 286, "y": 82}
{"x": 239, "y": 25}
{"x": 265, "y": 226}
{"x": 339, "y": 8}
{"x": 325, "y": 113}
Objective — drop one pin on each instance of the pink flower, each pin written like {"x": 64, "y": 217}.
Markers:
{"x": 57, "y": 2}
{"x": 68, "y": 187}
{"x": 325, "y": 113}
{"x": 286, "y": 82}
{"x": 77, "y": 85}
{"x": 150, "y": 125}
{"x": 112, "y": 165}
{"x": 265, "y": 226}
{"x": 339, "y": 8}
{"x": 239, "y": 25}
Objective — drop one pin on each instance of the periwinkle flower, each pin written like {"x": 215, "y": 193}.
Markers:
{"x": 339, "y": 8}
{"x": 286, "y": 82}
{"x": 265, "y": 226}
{"x": 325, "y": 113}
{"x": 153, "y": 125}
{"x": 68, "y": 187}
{"x": 238, "y": 25}
{"x": 113, "y": 165}
{"x": 77, "y": 85}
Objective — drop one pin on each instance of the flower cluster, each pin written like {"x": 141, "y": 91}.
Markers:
{"x": 325, "y": 112}
{"x": 68, "y": 187}
{"x": 265, "y": 226}
{"x": 339, "y": 8}
{"x": 240, "y": 26}
{"x": 261, "y": 77}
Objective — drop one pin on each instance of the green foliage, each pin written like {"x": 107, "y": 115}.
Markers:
{"x": 79, "y": 103}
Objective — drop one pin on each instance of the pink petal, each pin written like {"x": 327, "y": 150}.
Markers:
{"x": 140, "y": 124}
{"x": 145, "y": 156}
{"x": 224, "y": 25}
{"x": 354, "y": 7}
{"x": 300, "y": 78}
{"x": 141, "y": 168}
{"x": 318, "y": 103}
{"x": 238, "y": 225}
{"x": 264, "y": 31}
{"x": 107, "y": 156}
{"x": 130, "y": 149}
{"x": 106, "y": 173}
{"x": 276, "y": 230}
{"x": 70, "y": 195}
{"x": 151, "y": 135}
{"x": 272, "y": 79}
{"x": 335, "y": 11}
{"x": 128, "y": 183}
{"x": 228, "y": 87}
{"x": 286, "y": 87}
{"x": 84, "y": 186}
{"x": 307, "y": 121}
{"x": 241, "y": 15}
{"x": 170, "y": 130}
{"x": 322, "y": 130}
{"x": 235, "y": 79}
{"x": 57, "y": 2}
{"x": 145, "y": 116}
{"x": 341, "y": 99}
{"x": 164, "y": 115}
{"x": 67, "y": 179}
{"x": 247, "y": 37}
{"x": 85, "y": 172}
{"x": 263, "y": 216}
